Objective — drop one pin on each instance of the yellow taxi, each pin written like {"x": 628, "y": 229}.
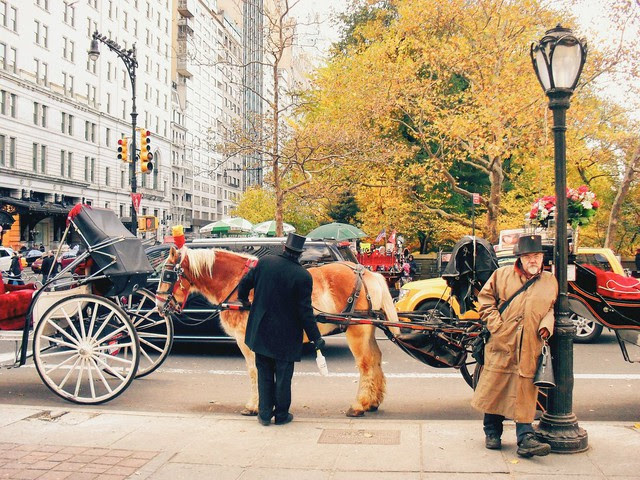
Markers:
{"x": 434, "y": 295}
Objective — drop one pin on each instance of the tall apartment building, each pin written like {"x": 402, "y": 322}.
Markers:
{"x": 209, "y": 48}
{"x": 61, "y": 113}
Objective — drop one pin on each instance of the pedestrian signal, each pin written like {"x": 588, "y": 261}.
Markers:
{"x": 123, "y": 154}
{"x": 147, "y": 223}
{"x": 146, "y": 157}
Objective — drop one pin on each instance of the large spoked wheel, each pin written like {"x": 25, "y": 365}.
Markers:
{"x": 78, "y": 349}
{"x": 586, "y": 330}
{"x": 467, "y": 371}
{"x": 543, "y": 393}
{"x": 435, "y": 311}
{"x": 155, "y": 332}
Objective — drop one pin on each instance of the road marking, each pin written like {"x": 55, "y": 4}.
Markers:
{"x": 581, "y": 376}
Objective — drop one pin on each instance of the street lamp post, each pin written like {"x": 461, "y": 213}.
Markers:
{"x": 558, "y": 59}
{"x": 129, "y": 59}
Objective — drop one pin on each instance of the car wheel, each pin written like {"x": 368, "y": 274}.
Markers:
{"x": 586, "y": 330}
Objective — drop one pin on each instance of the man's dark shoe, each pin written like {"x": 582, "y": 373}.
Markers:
{"x": 492, "y": 442}
{"x": 282, "y": 421}
{"x": 531, "y": 446}
{"x": 264, "y": 422}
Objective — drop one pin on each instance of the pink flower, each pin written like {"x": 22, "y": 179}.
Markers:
{"x": 583, "y": 189}
{"x": 595, "y": 204}
{"x": 574, "y": 197}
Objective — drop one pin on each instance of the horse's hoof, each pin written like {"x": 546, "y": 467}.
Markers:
{"x": 248, "y": 413}
{"x": 355, "y": 413}
{"x": 373, "y": 408}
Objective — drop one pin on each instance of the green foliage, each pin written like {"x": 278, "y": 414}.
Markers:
{"x": 345, "y": 209}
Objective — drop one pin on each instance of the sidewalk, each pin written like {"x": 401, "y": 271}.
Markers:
{"x": 83, "y": 444}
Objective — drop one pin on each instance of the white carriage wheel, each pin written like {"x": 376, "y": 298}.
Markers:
{"x": 78, "y": 348}
{"x": 155, "y": 332}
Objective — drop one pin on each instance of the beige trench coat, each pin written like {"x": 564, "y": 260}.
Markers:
{"x": 511, "y": 354}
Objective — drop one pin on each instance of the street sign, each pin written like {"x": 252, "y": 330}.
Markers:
{"x": 476, "y": 199}
{"x": 136, "y": 198}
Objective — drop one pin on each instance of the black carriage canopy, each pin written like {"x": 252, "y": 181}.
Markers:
{"x": 473, "y": 260}
{"x": 124, "y": 261}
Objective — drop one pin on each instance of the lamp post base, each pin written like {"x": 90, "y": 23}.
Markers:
{"x": 563, "y": 433}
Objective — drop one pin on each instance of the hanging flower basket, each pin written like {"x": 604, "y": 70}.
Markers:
{"x": 581, "y": 208}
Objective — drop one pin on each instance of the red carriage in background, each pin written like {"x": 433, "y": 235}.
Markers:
{"x": 381, "y": 260}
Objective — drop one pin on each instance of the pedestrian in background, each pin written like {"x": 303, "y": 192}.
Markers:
{"x": 505, "y": 388}
{"x": 47, "y": 263}
{"x": 638, "y": 263}
{"x": 280, "y": 311}
{"x": 15, "y": 270}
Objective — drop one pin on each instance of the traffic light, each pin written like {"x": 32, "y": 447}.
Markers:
{"x": 146, "y": 166}
{"x": 147, "y": 223}
{"x": 123, "y": 153}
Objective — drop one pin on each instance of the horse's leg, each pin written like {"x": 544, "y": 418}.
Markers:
{"x": 251, "y": 407}
{"x": 363, "y": 345}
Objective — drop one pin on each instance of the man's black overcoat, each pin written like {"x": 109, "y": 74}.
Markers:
{"x": 281, "y": 307}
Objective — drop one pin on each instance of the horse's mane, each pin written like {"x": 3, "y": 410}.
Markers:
{"x": 202, "y": 259}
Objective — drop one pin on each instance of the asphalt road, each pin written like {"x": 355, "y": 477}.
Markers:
{"x": 211, "y": 378}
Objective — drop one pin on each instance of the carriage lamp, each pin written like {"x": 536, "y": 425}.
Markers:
{"x": 130, "y": 61}
{"x": 558, "y": 59}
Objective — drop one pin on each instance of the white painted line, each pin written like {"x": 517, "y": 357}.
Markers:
{"x": 580, "y": 376}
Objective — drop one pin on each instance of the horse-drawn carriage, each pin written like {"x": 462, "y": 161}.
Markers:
{"x": 92, "y": 328}
{"x": 356, "y": 301}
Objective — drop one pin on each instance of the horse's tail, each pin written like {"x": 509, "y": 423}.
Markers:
{"x": 388, "y": 307}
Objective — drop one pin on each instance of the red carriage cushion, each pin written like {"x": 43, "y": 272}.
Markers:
{"x": 14, "y": 303}
{"x": 616, "y": 286}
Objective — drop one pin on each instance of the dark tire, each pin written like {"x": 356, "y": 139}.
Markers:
{"x": 435, "y": 310}
{"x": 587, "y": 330}
{"x": 466, "y": 371}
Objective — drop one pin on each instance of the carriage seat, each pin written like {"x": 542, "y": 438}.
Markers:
{"x": 613, "y": 285}
{"x": 14, "y": 303}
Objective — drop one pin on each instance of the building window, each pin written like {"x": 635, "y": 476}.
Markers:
{"x": 124, "y": 109}
{"x": 108, "y": 103}
{"x": 67, "y": 84}
{"x": 8, "y": 103}
{"x": 43, "y": 4}
{"x": 68, "y": 49}
{"x": 67, "y": 123}
{"x": 123, "y": 183}
{"x": 42, "y": 72}
{"x": 91, "y": 95}
{"x": 70, "y": 14}
{"x": 7, "y": 58}
{"x": 3, "y": 141}
{"x": 107, "y": 137}
{"x": 40, "y": 114}
{"x": 39, "y": 158}
{"x": 8, "y": 16}
{"x": 12, "y": 152}
{"x": 42, "y": 34}
{"x": 89, "y": 169}
{"x": 91, "y": 65}
{"x": 107, "y": 175}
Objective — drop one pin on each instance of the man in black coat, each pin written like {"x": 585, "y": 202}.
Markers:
{"x": 47, "y": 263}
{"x": 281, "y": 310}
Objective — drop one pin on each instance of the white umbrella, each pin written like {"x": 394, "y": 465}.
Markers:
{"x": 268, "y": 228}
{"x": 240, "y": 224}
{"x": 221, "y": 226}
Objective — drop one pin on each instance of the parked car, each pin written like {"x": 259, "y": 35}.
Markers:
{"x": 36, "y": 266}
{"x": 198, "y": 323}
{"x": 5, "y": 258}
{"x": 434, "y": 294}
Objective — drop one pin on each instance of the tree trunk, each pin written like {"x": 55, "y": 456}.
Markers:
{"x": 632, "y": 167}
{"x": 496, "y": 177}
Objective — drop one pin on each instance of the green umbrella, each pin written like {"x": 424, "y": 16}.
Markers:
{"x": 221, "y": 226}
{"x": 268, "y": 228}
{"x": 336, "y": 231}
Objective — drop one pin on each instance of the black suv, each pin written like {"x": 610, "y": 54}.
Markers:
{"x": 198, "y": 323}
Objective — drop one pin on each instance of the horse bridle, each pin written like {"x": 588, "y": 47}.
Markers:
{"x": 173, "y": 274}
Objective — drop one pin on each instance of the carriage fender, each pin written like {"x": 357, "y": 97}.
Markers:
{"x": 579, "y": 308}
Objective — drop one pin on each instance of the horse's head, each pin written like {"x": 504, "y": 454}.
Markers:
{"x": 175, "y": 282}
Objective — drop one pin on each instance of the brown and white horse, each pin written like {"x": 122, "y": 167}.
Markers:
{"x": 215, "y": 274}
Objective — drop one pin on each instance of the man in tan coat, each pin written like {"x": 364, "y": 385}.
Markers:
{"x": 505, "y": 388}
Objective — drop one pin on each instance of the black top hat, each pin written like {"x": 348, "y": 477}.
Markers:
{"x": 529, "y": 244}
{"x": 295, "y": 242}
